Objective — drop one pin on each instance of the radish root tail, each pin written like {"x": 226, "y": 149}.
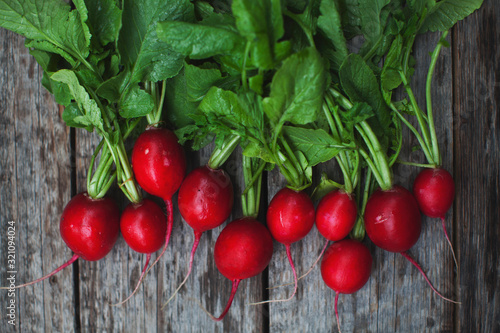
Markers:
{"x": 234, "y": 288}
{"x": 306, "y": 273}
{"x": 63, "y": 266}
{"x": 410, "y": 259}
{"x": 449, "y": 242}
{"x": 143, "y": 273}
{"x": 289, "y": 255}
{"x": 170, "y": 223}
{"x": 336, "y": 311}
{"x": 197, "y": 236}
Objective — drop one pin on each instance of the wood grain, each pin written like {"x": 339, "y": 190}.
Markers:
{"x": 477, "y": 168}
{"x": 35, "y": 185}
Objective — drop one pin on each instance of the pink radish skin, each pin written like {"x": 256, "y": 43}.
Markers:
{"x": 89, "y": 227}
{"x": 336, "y": 215}
{"x": 392, "y": 219}
{"x": 143, "y": 226}
{"x": 205, "y": 201}
{"x": 290, "y": 217}
{"x": 393, "y": 223}
{"x": 243, "y": 249}
{"x": 434, "y": 190}
{"x": 159, "y": 166}
{"x": 345, "y": 268}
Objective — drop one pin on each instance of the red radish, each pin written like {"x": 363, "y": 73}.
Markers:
{"x": 434, "y": 190}
{"x": 89, "y": 227}
{"x": 290, "y": 217}
{"x": 205, "y": 201}
{"x": 393, "y": 223}
{"x": 143, "y": 226}
{"x": 336, "y": 215}
{"x": 243, "y": 249}
{"x": 345, "y": 268}
{"x": 392, "y": 219}
{"x": 159, "y": 166}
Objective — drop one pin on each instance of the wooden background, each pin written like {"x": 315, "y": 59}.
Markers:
{"x": 43, "y": 164}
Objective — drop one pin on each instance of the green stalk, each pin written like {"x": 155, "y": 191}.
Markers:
{"x": 358, "y": 232}
{"x": 244, "y": 81}
{"x": 428, "y": 95}
{"x": 220, "y": 155}
{"x": 420, "y": 140}
{"x": 127, "y": 179}
{"x": 341, "y": 157}
{"x": 91, "y": 180}
{"x": 380, "y": 156}
{"x": 162, "y": 101}
{"x": 419, "y": 115}
{"x": 373, "y": 168}
{"x": 250, "y": 198}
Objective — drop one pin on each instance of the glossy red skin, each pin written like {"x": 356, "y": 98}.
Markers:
{"x": 158, "y": 162}
{"x": 243, "y": 249}
{"x": 90, "y": 227}
{"x": 336, "y": 215}
{"x": 205, "y": 198}
{"x": 144, "y": 226}
{"x": 290, "y": 216}
{"x": 392, "y": 219}
{"x": 346, "y": 266}
{"x": 434, "y": 190}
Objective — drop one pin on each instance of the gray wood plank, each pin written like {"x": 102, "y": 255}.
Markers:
{"x": 35, "y": 185}
{"x": 477, "y": 168}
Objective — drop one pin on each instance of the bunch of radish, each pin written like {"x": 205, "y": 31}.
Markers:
{"x": 279, "y": 97}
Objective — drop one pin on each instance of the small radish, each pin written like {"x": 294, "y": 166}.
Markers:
{"x": 336, "y": 215}
{"x": 243, "y": 249}
{"x": 143, "y": 226}
{"x": 393, "y": 223}
{"x": 159, "y": 166}
{"x": 290, "y": 217}
{"x": 89, "y": 227}
{"x": 434, "y": 190}
{"x": 345, "y": 268}
{"x": 205, "y": 201}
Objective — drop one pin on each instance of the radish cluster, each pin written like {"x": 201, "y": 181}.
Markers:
{"x": 286, "y": 89}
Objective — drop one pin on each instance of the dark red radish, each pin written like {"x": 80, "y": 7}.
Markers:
{"x": 393, "y": 223}
{"x": 434, "y": 190}
{"x": 205, "y": 201}
{"x": 345, "y": 268}
{"x": 143, "y": 226}
{"x": 243, "y": 249}
{"x": 159, "y": 166}
{"x": 336, "y": 215}
{"x": 89, "y": 227}
{"x": 392, "y": 219}
{"x": 290, "y": 217}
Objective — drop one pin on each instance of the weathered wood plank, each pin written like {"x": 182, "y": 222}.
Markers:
{"x": 477, "y": 168}
{"x": 35, "y": 185}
